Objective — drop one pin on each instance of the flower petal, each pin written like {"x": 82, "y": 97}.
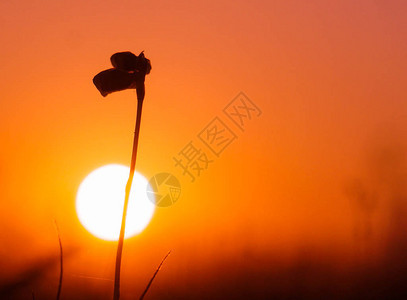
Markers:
{"x": 113, "y": 80}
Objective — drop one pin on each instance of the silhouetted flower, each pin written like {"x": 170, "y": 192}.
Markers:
{"x": 128, "y": 73}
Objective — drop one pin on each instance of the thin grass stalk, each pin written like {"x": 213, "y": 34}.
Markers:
{"x": 116, "y": 293}
{"x": 61, "y": 261}
{"x": 152, "y": 278}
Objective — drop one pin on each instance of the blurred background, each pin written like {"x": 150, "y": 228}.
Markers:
{"x": 309, "y": 202}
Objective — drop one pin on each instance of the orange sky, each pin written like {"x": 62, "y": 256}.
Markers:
{"x": 328, "y": 77}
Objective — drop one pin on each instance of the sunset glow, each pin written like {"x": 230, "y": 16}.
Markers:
{"x": 280, "y": 127}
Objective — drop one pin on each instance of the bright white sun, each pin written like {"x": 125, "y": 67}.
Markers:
{"x": 100, "y": 201}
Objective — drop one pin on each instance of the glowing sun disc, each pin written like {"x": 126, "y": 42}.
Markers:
{"x": 100, "y": 201}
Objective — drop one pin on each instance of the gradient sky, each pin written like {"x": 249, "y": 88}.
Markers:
{"x": 329, "y": 78}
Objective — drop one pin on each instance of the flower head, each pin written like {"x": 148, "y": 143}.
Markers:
{"x": 128, "y": 73}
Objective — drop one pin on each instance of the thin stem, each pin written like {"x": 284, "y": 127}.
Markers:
{"x": 116, "y": 293}
{"x": 61, "y": 260}
{"x": 155, "y": 274}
